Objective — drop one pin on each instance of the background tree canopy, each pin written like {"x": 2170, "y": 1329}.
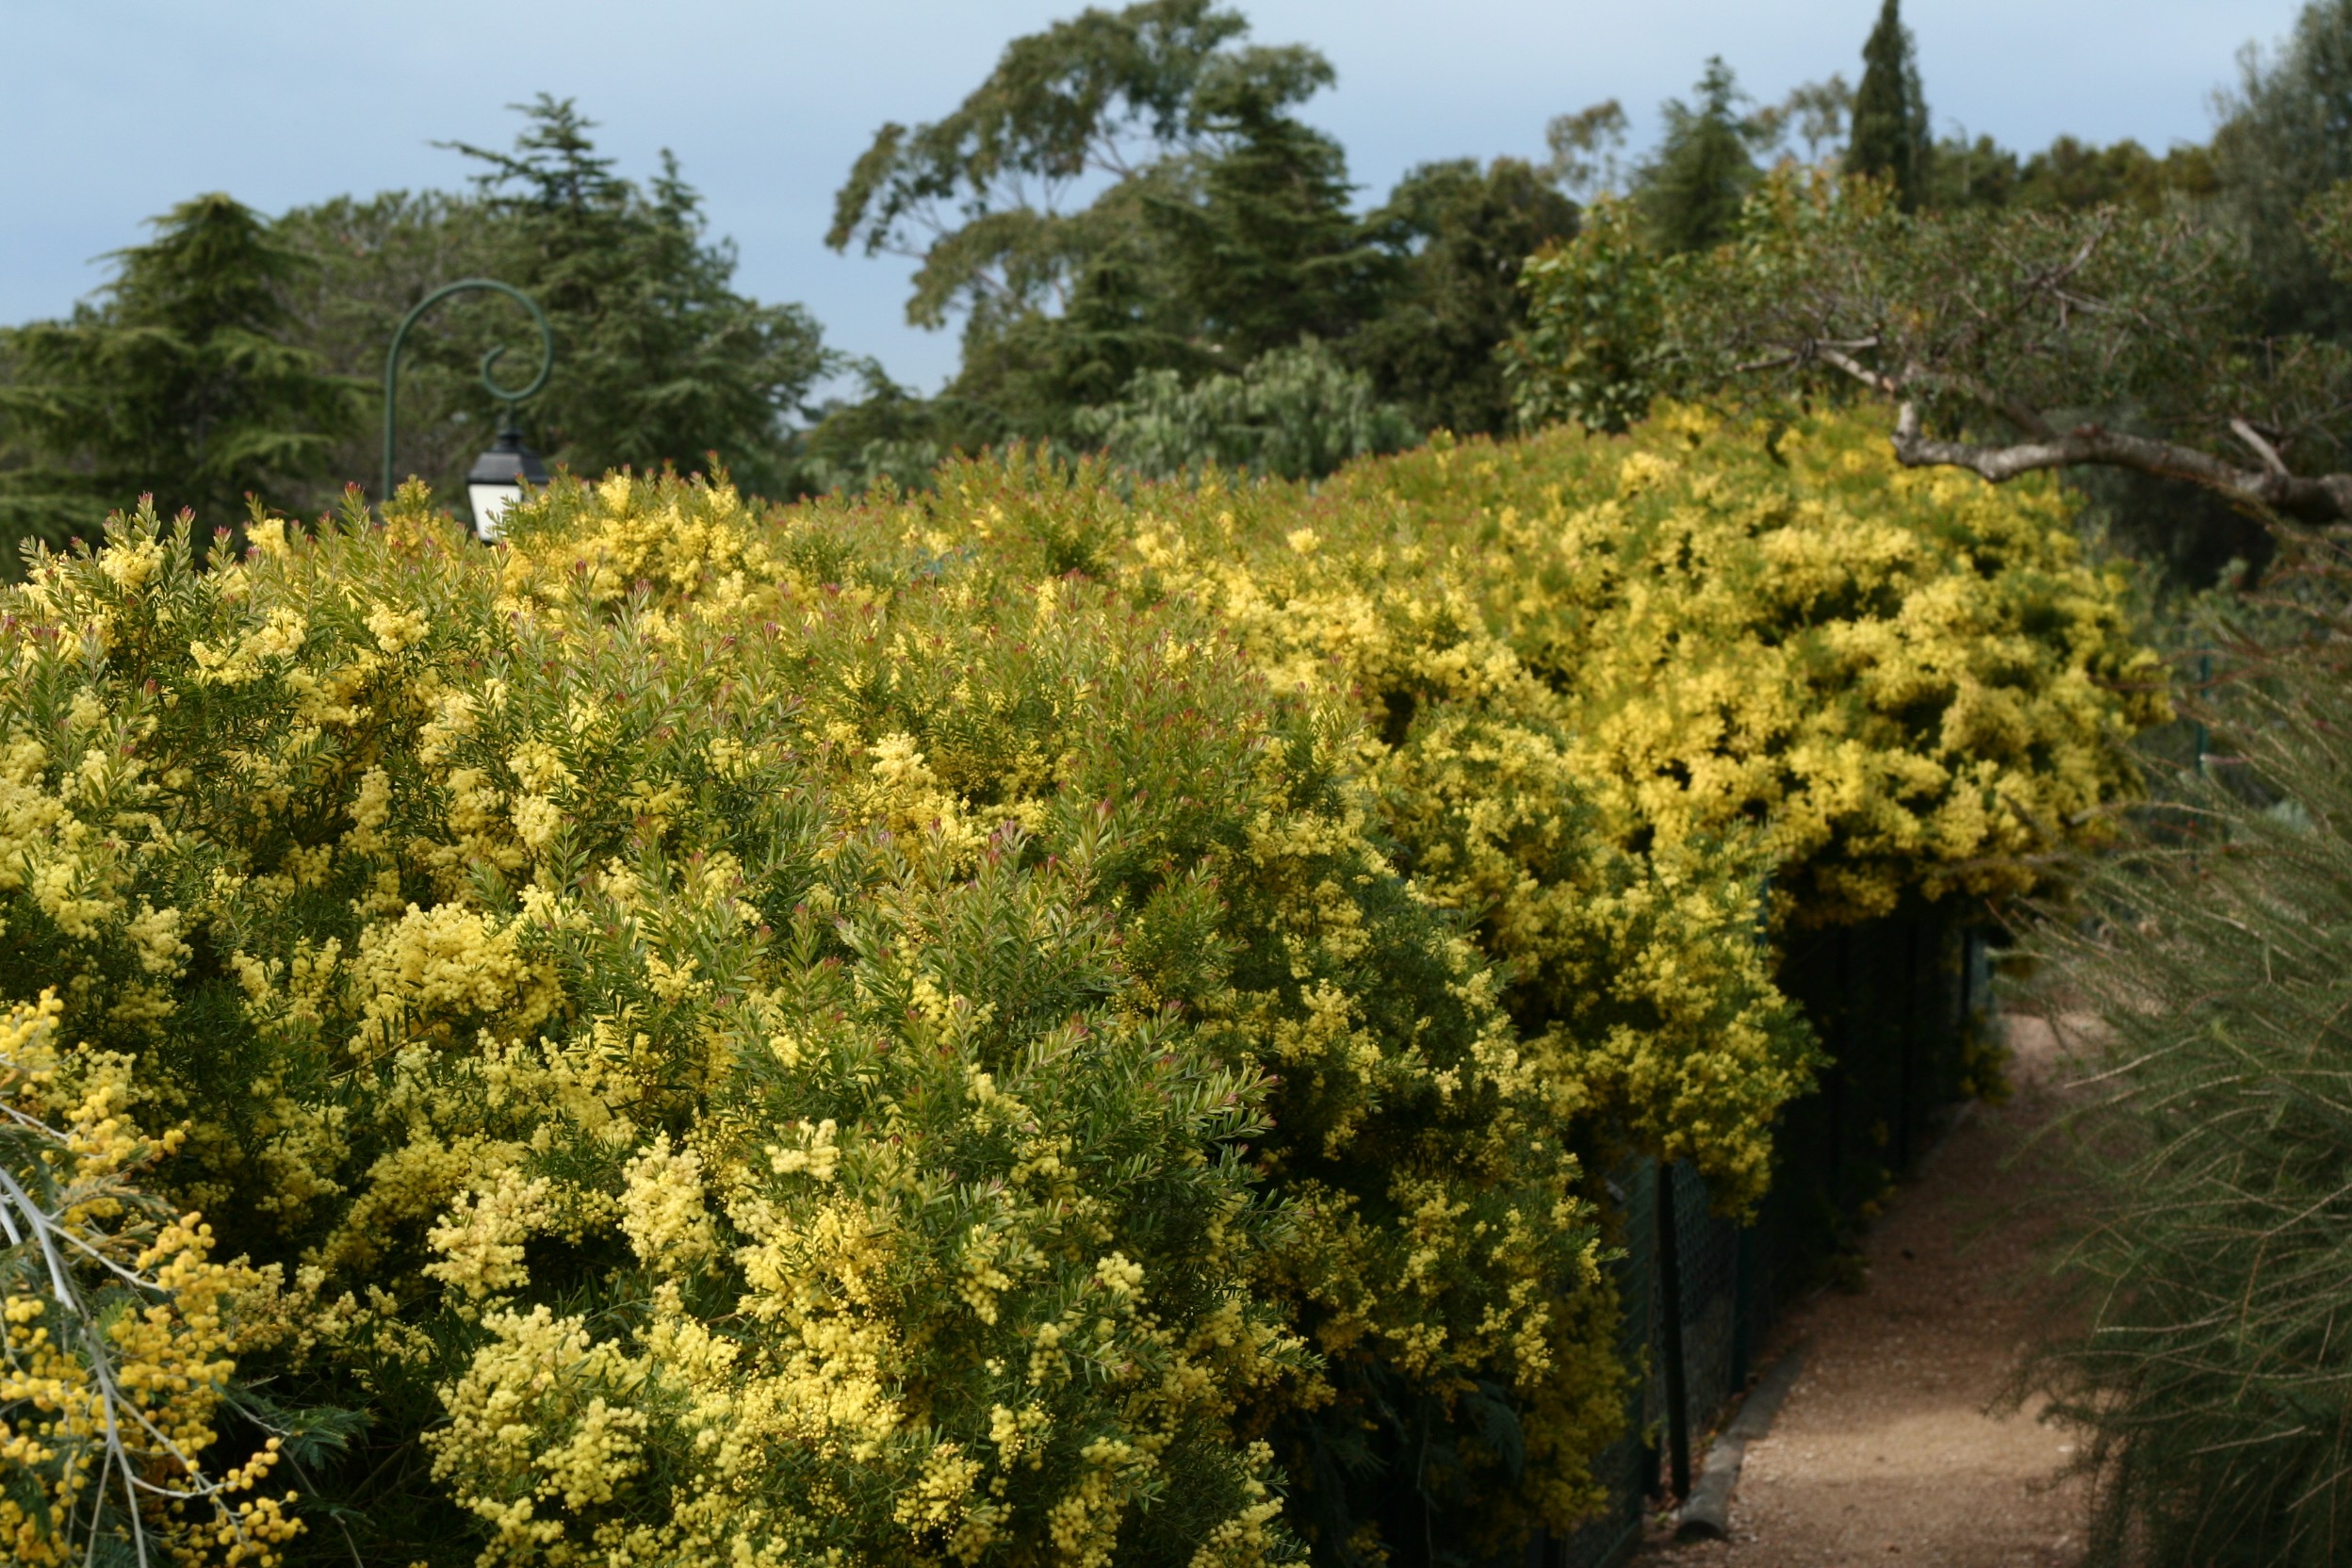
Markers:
{"x": 1137, "y": 236}
{"x": 2167, "y": 330}
{"x": 178, "y": 382}
{"x": 1123, "y": 193}
{"x": 658, "y": 359}
{"x": 1132, "y": 194}
{"x": 237, "y": 354}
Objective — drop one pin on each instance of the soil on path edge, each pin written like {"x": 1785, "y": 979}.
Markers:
{"x": 1885, "y": 1451}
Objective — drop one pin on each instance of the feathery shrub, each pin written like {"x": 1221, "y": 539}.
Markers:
{"x": 2208, "y": 1381}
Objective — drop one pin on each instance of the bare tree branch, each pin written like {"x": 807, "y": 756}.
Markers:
{"x": 2323, "y": 499}
{"x": 2272, "y": 462}
{"x": 1837, "y": 359}
{"x": 2326, "y": 499}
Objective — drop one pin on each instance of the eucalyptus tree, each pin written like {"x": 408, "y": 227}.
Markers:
{"x": 1124, "y": 191}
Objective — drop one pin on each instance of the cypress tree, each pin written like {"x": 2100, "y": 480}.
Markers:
{"x": 1890, "y": 130}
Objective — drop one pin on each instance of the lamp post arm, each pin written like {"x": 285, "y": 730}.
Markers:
{"x": 399, "y": 336}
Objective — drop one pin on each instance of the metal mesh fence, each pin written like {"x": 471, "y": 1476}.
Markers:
{"x": 1628, "y": 1468}
{"x": 1893, "y": 1001}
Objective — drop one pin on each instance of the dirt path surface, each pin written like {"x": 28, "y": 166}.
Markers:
{"x": 1884, "y": 1451}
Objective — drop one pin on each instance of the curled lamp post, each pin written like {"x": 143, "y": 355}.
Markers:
{"x": 496, "y": 480}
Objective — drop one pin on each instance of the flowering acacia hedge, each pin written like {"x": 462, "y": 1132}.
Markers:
{"x": 1908, "y": 679}
{"x": 1010, "y": 1026}
{"x": 1606, "y": 686}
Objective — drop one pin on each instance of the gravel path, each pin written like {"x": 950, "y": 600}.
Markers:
{"x": 1884, "y": 1451}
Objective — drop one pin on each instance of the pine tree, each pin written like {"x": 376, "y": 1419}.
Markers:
{"x": 657, "y": 359}
{"x": 1270, "y": 253}
{"x": 1692, "y": 191}
{"x": 1890, "y": 129}
{"x": 177, "y": 383}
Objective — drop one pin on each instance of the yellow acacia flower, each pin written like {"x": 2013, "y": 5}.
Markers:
{"x": 662, "y": 1211}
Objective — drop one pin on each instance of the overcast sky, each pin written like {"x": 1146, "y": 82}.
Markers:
{"x": 115, "y": 109}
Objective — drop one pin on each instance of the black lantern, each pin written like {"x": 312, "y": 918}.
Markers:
{"x": 497, "y": 479}
{"x": 500, "y": 474}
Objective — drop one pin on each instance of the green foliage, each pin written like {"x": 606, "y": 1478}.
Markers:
{"x": 1466, "y": 233}
{"x": 1295, "y": 413}
{"x": 1892, "y": 139}
{"x": 659, "y": 360}
{"x": 1885, "y": 685}
{"x": 1268, "y": 252}
{"x": 1592, "y": 351}
{"x": 2281, "y": 142}
{"x": 177, "y": 383}
{"x": 1819, "y": 113}
{"x": 1126, "y": 191}
{"x": 890, "y": 435}
{"x": 1982, "y": 172}
{"x": 236, "y": 356}
{"x": 1586, "y": 149}
{"x": 2208, "y": 1381}
{"x": 366, "y": 260}
{"x": 1133, "y": 192}
{"x": 2002, "y": 339}
{"x": 1817, "y": 265}
{"x": 1060, "y": 105}
{"x": 2070, "y": 175}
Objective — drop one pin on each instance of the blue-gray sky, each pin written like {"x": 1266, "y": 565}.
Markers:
{"x": 115, "y": 109}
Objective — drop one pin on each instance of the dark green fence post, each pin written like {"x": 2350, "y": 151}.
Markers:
{"x": 1670, "y": 1313}
{"x": 1742, "y": 1305}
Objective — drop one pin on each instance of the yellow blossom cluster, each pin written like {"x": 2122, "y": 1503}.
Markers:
{"x": 1899, "y": 679}
{"x": 118, "y": 1333}
{"x": 1635, "y": 705}
{"x": 1603, "y": 695}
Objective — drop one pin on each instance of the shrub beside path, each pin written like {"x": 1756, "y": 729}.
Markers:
{"x": 1885, "y": 1451}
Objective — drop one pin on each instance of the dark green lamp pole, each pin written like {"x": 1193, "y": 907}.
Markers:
{"x": 497, "y": 479}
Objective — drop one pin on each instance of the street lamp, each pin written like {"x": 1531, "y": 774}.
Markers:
{"x": 497, "y": 479}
